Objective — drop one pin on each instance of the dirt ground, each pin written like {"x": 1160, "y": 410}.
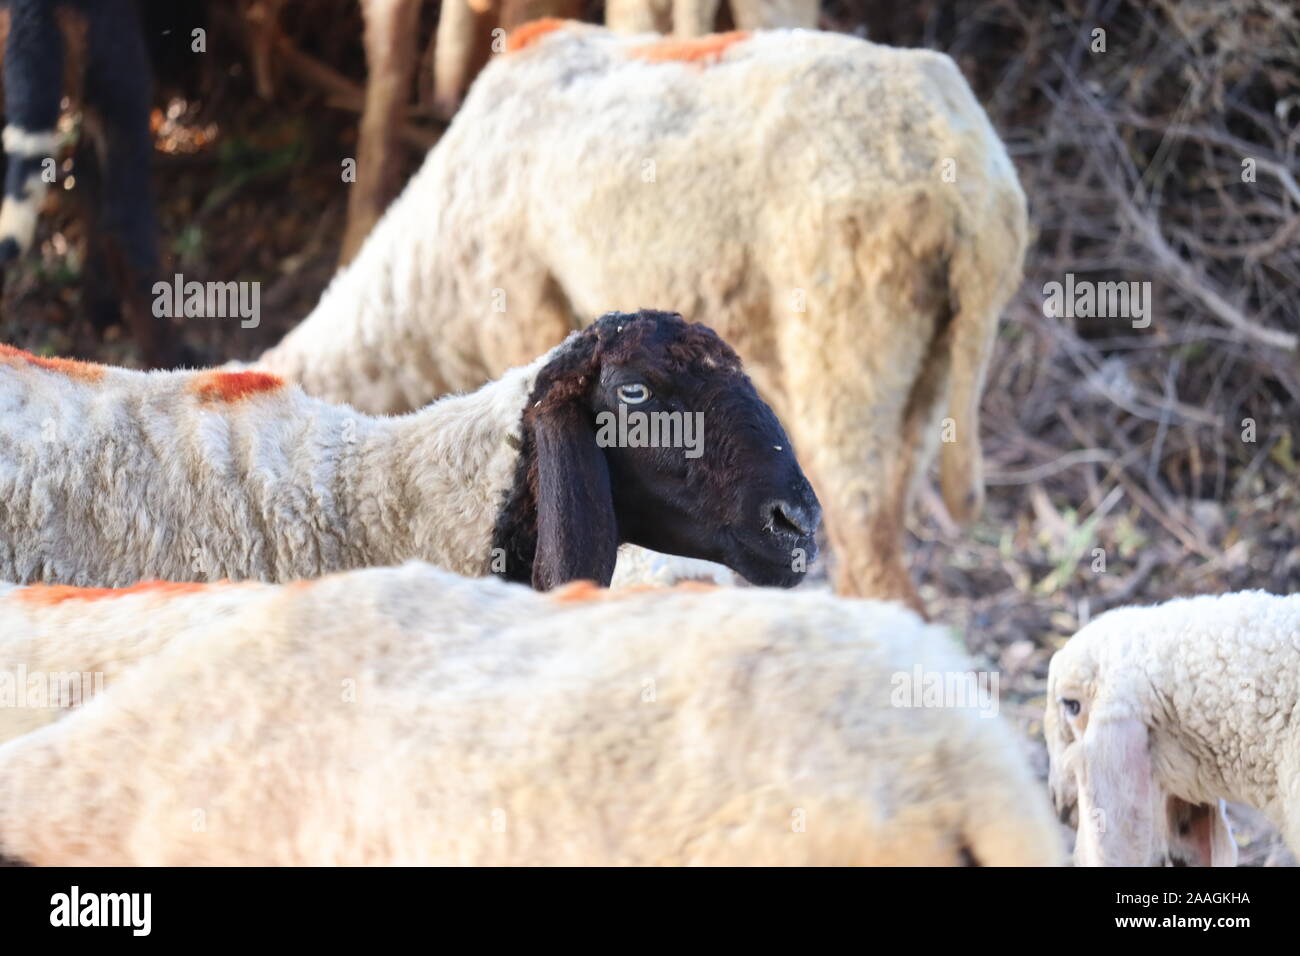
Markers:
{"x": 1099, "y": 438}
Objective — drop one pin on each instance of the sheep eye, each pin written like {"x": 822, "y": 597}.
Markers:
{"x": 633, "y": 394}
{"x": 1071, "y": 706}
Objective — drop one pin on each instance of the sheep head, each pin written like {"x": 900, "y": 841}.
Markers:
{"x": 1101, "y": 776}
{"x": 644, "y": 428}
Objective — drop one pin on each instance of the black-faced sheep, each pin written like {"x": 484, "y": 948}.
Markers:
{"x": 642, "y": 428}
{"x": 843, "y": 213}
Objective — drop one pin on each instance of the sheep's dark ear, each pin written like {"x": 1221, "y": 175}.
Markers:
{"x": 577, "y": 533}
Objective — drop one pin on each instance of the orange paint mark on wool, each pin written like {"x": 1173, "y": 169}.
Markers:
{"x": 581, "y": 592}
{"x": 525, "y": 35}
{"x": 46, "y": 594}
{"x": 233, "y": 386}
{"x": 82, "y": 371}
{"x": 704, "y": 51}
{"x": 575, "y": 592}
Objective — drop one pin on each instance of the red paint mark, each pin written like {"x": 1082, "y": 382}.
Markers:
{"x": 702, "y": 50}
{"x": 527, "y": 34}
{"x": 233, "y": 386}
{"x": 82, "y": 371}
{"x": 580, "y": 592}
{"x": 576, "y": 592}
{"x": 46, "y": 594}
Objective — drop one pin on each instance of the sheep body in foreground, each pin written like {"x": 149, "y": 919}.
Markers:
{"x": 109, "y": 477}
{"x": 841, "y": 212}
{"x": 51, "y": 662}
{"x": 1156, "y": 715}
{"x": 411, "y": 716}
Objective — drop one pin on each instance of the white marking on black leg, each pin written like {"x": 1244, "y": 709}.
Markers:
{"x": 18, "y": 217}
{"x": 36, "y": 144}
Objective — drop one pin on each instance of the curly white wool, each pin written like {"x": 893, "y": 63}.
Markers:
{"x": 1156, "y": 715}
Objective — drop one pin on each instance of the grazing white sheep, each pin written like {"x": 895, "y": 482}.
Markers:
{"x": 409, "y": 716}
{"x": 841, "y": 212}
{"x": 1156, "y": 715}
{"x": 109, "y": 476}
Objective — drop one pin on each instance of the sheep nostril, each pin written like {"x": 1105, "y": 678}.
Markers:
{"x": 781, "y": 517}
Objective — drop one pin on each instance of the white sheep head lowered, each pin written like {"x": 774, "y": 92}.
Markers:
{"x": 1105, "y": 780}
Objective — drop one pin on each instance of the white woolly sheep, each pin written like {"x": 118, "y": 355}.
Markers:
{"x": 841, "y": 212}
{"x": 1156, "y": 715}
{"x": 409, "y": 716}
{"x": 109, "y": 476}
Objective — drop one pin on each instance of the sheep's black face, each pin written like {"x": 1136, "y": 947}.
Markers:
{"x": 698, "y": 463}
{"x": 643, "y": 428}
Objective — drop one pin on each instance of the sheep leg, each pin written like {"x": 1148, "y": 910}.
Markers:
{"x": 774, "y": 14}
{"x": 391, "y": 54}
{"x": 119, "y": 88}
{"x": 865, "y": 374}
{"x": 517, "y": 12}
{"x": 639, "y": 16}
{"x": 865, "y": 522}
{"x": 33, "y": 74}
{"x": 849, "y": 442}
{"x": 451, "y": 55}
{"x": 694, "y": 18}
